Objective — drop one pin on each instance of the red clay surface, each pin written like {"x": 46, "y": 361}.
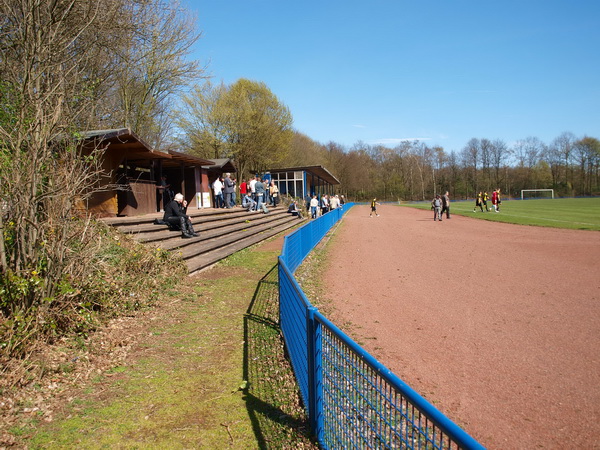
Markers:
{"x": 497, "y": 325}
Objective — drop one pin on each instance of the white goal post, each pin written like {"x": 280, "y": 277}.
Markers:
{"x": 523, "y": 191}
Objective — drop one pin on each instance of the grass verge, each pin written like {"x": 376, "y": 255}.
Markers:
{"x": 207, "y": 370}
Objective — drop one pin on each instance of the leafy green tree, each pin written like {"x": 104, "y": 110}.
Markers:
{"x": 203, "y": 120}
{"x": 304, "y": 151}
{"x": 244, "y": 121}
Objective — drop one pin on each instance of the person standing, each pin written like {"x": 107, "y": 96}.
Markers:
{"x": 274, "y": 193}
{"x": 484, "y": 200}
{"x": 324, "y": 204}
{"x": 307, "y": 200}
{"x": 478, "y": 202}
{"x": 374, "y": 204}
{"x": 243, "y": 188}
{"x": 495, "y": 200}
{"x": 218, "y": 191}
{"x": 252, "y": 192}
{"x": 267, "y": 195}
{"x": 233, "y": 194}
{"x": 314, "y": 204}
{"x": 334, "y": 203}
{"x": 499, "y": 200}
{"x": 436, "y": 205}
{"x": 259, "y": 188}
{"x": 229, "y": 188}
{"x": 446, "y": 205}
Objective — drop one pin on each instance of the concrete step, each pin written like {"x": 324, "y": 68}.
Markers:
{"x": 191, "y": 250}
{"x": 227, "y": 224}
{"x": 222, "y": 232}
{"x": 174, "y": 239}
{"x": 145, "y": 224}
{"x": 206, "y": 259}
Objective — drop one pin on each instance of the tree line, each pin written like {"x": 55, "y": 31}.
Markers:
{"x": 246, "y": 122}
{"x": 413, "y": 170}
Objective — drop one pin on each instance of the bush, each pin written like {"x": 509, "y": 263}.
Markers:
{"x": 108, "y": 274}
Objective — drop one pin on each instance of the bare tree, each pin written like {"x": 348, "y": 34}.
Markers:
{"x": 51, "y": 60}
{"x": 470, "y": 156}
{"x": 563, "y": 146}
{"x": 587, "y": 154}
{"x": 498, "y": 156}
{"x": 153, "y": 66}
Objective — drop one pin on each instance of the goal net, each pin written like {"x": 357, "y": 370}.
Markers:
{"x": 536, "y": 193}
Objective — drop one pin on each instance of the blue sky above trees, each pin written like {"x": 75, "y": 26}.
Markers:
{"x": 439, "y": 71}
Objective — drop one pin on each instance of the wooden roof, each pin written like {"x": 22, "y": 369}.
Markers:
{"x": 223, "y": 165}
{"x": 188, "y": 160}
{"x": 125, "y": 142}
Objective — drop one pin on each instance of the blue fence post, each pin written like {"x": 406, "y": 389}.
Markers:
{"x": 315, "y": 381}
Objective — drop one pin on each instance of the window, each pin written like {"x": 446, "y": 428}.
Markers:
{"x": 290, "y": 183}
{"x": 282, "y": 187}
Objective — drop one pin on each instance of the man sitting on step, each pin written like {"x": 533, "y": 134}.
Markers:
{"x": 294, "y": 210}
{"x": 248, "y": 203}
{"x": 177, "y": 219}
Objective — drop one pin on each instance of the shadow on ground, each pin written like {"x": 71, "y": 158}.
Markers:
{"x": 271, "y": 394}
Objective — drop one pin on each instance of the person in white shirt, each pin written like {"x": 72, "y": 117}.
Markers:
{"x": 314, "y": 204}
{"x": 324, "y": 204}
{"x": 334, "y": 202}
{"x": 218, "y": 191}
{"x": 252, "y": 184}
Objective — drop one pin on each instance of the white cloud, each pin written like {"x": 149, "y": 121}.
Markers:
{"x": 399, "y": 140}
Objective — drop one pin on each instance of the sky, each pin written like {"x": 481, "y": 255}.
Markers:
{"x": 438, "y": 71}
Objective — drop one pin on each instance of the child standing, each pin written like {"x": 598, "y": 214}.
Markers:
{"x": 374, "y": 208}
{"x": 436, "y": 205}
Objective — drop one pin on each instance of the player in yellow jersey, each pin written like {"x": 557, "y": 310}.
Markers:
{"x": 478, "y": 202}
{"x": 485, "y": 199}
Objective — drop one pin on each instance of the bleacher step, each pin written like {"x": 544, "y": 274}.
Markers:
{"x": 222, "y": 233}
{"x": 204, "y": 260}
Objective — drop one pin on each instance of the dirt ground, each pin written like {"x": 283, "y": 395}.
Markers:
{"x": 497, "y": 325}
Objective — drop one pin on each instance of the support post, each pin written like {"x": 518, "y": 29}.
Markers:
{"x": 315, "y": 381}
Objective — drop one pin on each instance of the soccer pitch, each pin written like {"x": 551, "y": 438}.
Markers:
{"x": 571, "y": 213}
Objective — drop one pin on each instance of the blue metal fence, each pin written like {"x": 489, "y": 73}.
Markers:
{"x": 353, "y": 401}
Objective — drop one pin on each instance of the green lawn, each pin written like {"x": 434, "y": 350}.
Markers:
{"x": 572, "y": 213}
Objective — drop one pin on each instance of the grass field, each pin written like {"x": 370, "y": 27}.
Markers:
{"x": 571, "y": 213}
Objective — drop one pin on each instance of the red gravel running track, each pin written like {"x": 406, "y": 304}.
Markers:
{"x": 497, "y": 325}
